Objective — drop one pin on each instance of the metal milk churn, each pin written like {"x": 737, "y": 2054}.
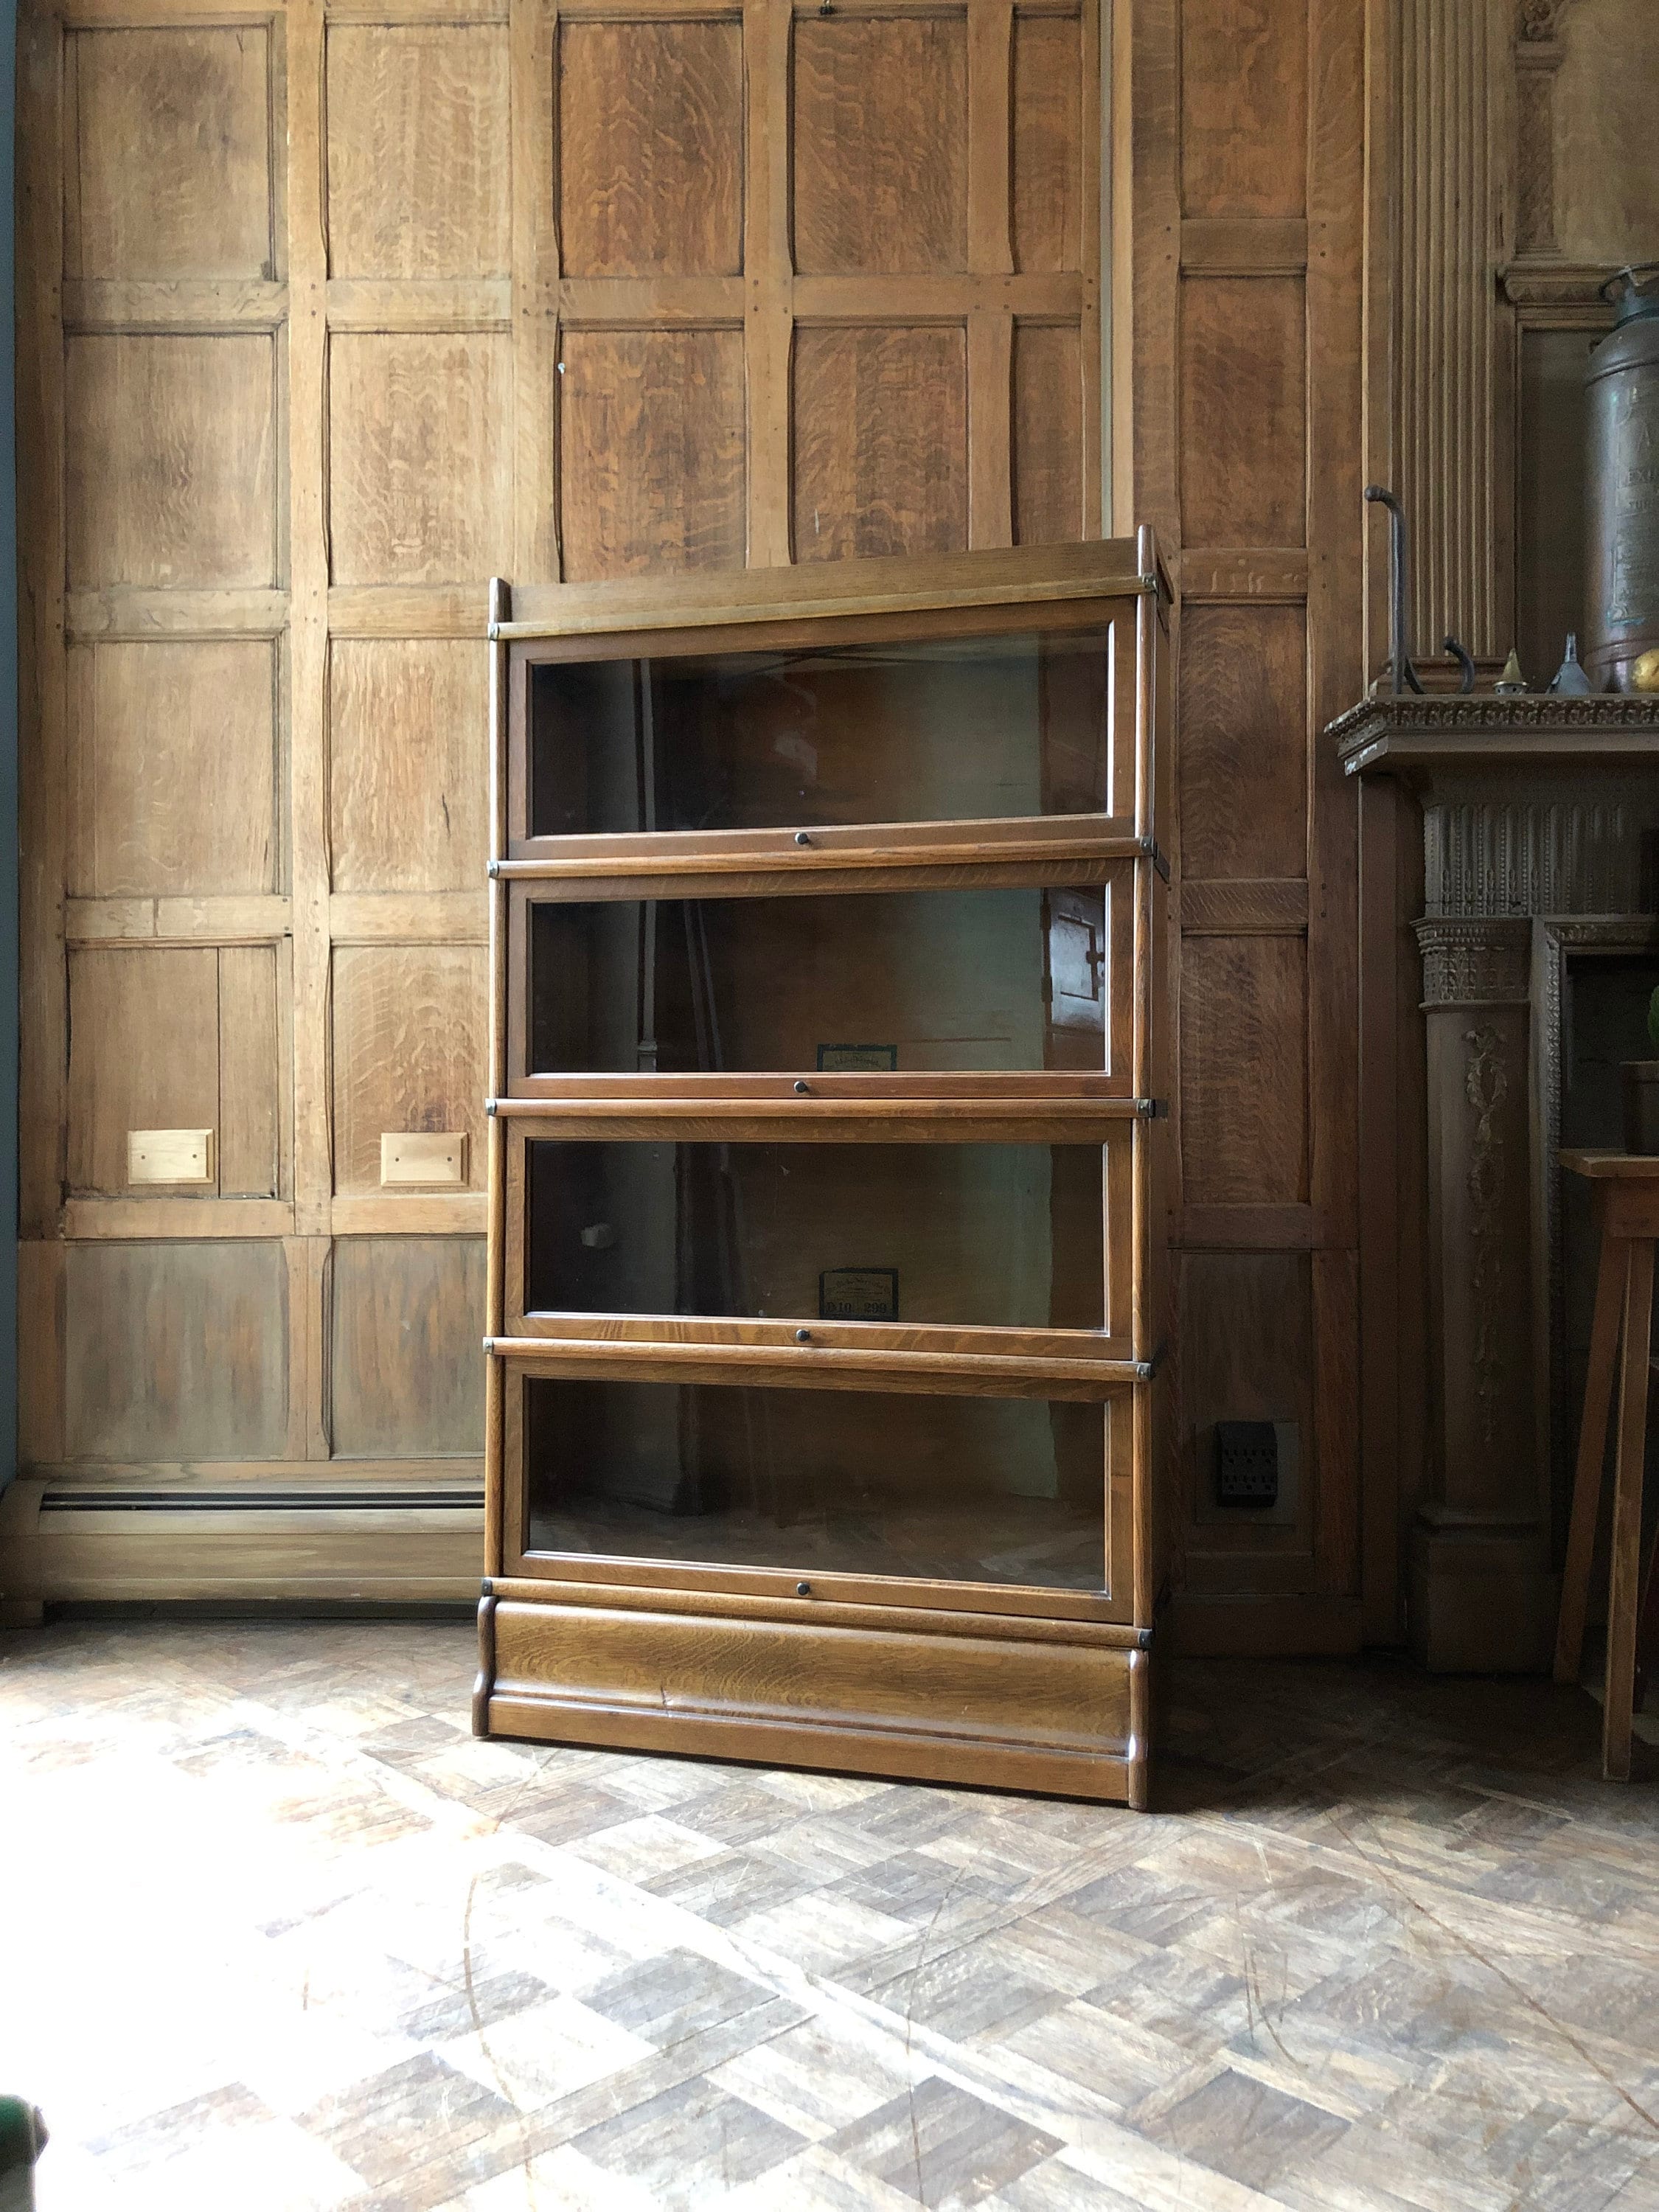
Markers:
{"x": 1621, "y": 544}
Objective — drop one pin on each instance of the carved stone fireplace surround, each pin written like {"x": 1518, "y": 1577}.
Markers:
{"x": 1541, "y": 818}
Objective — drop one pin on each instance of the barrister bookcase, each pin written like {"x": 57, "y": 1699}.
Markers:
{"x": 826, "y": 1298}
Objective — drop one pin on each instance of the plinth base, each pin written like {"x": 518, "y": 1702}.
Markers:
{"x": 1483, "y": 1599}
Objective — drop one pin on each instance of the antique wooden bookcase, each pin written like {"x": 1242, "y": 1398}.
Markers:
{"x": 825, "y": 1274}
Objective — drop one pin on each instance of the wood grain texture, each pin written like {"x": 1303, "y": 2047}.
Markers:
{"x": 408, "y": 815}
{"x": 1243, "y": 414}
{"x": 650, "y": 148}
{"x": 170, "y": 173}
{"x": 417, "y": 150}
{"x": 1047, "y": 434}
{"x": 1243, "y": 1070}
{"x": 143, "y": 1053}
{"x": 408, "y": 1038}
{"x": 176, "y": 1349}
{"x": 881, "y": 442}
{"x": 1048, "y": 173}
{"x": 1243, "y": 107}
{"x": 1247, "y": 1354}
{"x": 1243, "y": 768}
{"x": 173, "y": 762}
{"x": 407, "y": 1316}
{"x": 651, "y": 450}
{"x": 171, "y": 459}
{"x": 884, "y": 100}
{"x": 395, "y": 405}
{"x": 250, "y": 1086}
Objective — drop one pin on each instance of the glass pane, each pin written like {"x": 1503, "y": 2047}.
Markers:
{"x": 905, "y": 981}
{"x": 960, "y": 730}
{"x": 1003, "y": 1236}
{"x": 985, "y": 1490}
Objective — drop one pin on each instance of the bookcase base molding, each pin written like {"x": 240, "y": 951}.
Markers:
{"x": 1053, "y": 1707}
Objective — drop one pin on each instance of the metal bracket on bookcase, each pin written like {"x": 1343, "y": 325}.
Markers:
{"x": 1156, "y": 855}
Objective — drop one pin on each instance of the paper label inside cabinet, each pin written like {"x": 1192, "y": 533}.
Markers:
{"x": 858, "y": 1294}
{"x": 857, "y": 1059}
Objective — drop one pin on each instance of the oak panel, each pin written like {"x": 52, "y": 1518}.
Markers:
{"x": 1243, "y": 755}
{"x": 881, "y": 441}
{"x": 1242, "y": 382}
{"x": 650, "y": 148}
{"x": 880, "y": 143}
{"x": 651, "y": 450}
{"x": 406, "y": 1320}
{"x": 417, "y": 150}
{"x": 170, "y": 170}
{"x": 1244, "y": 1070}
{"x": 1048, "y": 132}
{"x": 174, "y": 770}
{"x": 143, "y": 1052}
{"x": 419, "y": 458}
{"x": 1244, "y": 107}
{"x": 170, "y": 451}
{"x": 176, "y": 1352}
{"x": 407, "y": 772}
{"x": 1047, "y": 434}
{"x": 248, "y": 1087}
{"x": 1245, "y": 1355}
{"x": 409, "y": 1052}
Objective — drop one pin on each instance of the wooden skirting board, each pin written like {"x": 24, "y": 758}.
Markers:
{"x": 373, "y": 1533}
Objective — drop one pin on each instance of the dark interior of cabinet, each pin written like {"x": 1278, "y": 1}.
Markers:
{"x": 964, "y": 1489}
{"x": 976, "y": 1234}
{"x": 976, "y": 979}
{"x": 966, "y": 730}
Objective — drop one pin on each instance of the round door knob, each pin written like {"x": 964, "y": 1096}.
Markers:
{"x": 803, "y": 1590}
{"x": 803, "y": 1336}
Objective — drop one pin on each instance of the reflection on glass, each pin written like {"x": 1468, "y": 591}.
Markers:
{"x": 864, "y": 983}
{"x": 960, "y": 730}
{"x": 1002, "y": 1236}
{"x": 983, "y": 1489}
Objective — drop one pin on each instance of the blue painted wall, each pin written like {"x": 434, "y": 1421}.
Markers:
{"x": 8, "y": 764}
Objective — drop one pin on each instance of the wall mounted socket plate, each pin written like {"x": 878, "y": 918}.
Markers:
{"x": 175, "y": 1157}
{"x": 433, "y": 1159}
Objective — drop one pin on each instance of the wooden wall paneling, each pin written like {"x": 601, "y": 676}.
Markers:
{"x": 143, "y": 1053}
{"x": 408, "y": 816}
{"x": 533, "y": 36}
{"x": 1243, "y": 766}
{"x": 769, "y": 278}
{"x": 407, "y": 1051}
{"x": 1244, "y": 1071}
{"x": 1243, "y": 411}
{"x": 406, "y": 1379}
{"x": 250, "y": 1088}
{"x": 881, "y": 441}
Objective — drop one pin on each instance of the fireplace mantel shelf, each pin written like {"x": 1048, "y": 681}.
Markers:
{"x": 1414, "y": 736}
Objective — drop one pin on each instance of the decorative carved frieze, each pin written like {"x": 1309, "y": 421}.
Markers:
{"x": 1475, "y": 963}
{"x": 1550, "y": 856}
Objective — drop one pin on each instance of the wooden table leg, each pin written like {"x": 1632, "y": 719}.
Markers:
{"x": 1624, "y": 1593}
{"x": 1592, "y": 1451}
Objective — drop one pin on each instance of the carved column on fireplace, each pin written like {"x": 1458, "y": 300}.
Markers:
{"x": 1533, "y": 809}
{"x": 1481, "y": 1593}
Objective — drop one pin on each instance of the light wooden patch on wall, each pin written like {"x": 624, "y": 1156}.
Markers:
{"x": 176, "y": 1352}
{"x": 169, "y": 165}
{"x": 408, "y": 816}
{"x": 418, "y": 150}
{"x": 409, "y": 1051}
{"x": 172, "y": 753}
{"x": 1243, "y": 411}
{"x": 883, "y": 101}
{"x": 1244, "y": 770}
{"x": 171, "y": 459}
{"x": 173, "y": 1037}
{"x": 881, "y": 441}
{"x": 1244, "y": 1070}
{"x": 396, "y": 402}
{"x": 407, "y": 1315}
{"x": 651, "y": 453}
{"x": 650, "y": 146}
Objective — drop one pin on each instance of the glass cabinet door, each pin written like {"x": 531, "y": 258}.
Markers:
{"x": 820, "y": 735}
{"x": 1009, "y": 1491}
{"x": 993, "y": 979}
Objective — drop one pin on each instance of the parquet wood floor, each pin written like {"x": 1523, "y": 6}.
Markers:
{"x": 279, "y": 1935}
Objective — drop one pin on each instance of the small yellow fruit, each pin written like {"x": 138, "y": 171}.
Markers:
{"x": 1644, "y": 671}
